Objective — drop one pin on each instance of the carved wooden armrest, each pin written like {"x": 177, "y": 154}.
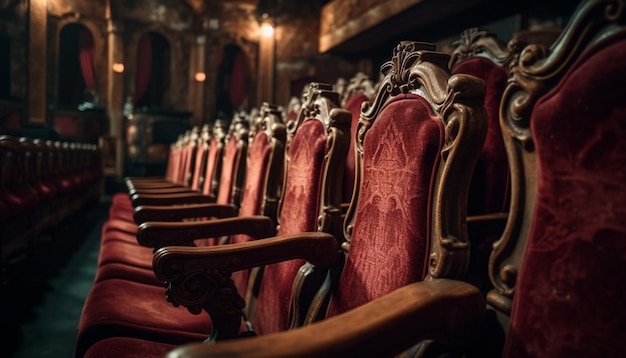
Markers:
{"x": 145, "y": 213}
{"x": 149, "y": 183}
{"x": 199, "y": 278}
{"x": 171, "y": 199}
{"x": 160, "y": 190}
{"x": 160, "y": 234}
{"x": 144, "y": 179}
{"x": 450, "y": 312}
{"x": 486, "y": 225}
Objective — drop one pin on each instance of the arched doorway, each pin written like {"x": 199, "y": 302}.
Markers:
{"x": 231, "y": 90}
{"x": 152, "y": 77}
{"x": 76, "y": 74}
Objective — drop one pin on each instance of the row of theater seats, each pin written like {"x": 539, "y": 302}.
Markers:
{"x": 485, "y": 216}
{"x": 42, "y": 184}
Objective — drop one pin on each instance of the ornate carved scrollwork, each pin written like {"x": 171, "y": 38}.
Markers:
{"x": 209, "y": 289}
{"x": 465, "y": 128}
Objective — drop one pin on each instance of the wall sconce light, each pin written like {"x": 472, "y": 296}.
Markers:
{"x": 267, "y": 30}
{"x": 200, "y": 76}
{"x": 118, "y": 67}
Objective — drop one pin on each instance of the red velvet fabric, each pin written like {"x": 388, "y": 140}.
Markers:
{"x": 66, "y": 125}
{"x": 490, "y": 182}
{"x": 127, "y": 252}
{"x": 569, "y": 298}
{"x": 228, "y": 172}
{"x": 298, "y": 214}
{"x": 186, "y": 165}
{"x": 252, "y": 196}
{"x": 209, "y": 174}
{"x": 197, "y": 168}
{"x": 127, "y": 272}
{"x": 117, "y": 307}
{"x": 353, "y": 104}
{"x": 389, "y": 247}
{"x": 124, "y": 347}
{"x": 86, "y": 55}
{"x": 121, "y": 224}
{"x": 489, "y": 188}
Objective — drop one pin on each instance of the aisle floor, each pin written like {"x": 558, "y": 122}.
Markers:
{"x": 44, "y": 292}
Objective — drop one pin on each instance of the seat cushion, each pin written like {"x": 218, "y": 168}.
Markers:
{"x": 126, "y": 347}
{"x": 117, "y": 307}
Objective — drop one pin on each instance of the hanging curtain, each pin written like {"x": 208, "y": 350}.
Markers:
{"x": 86, "y": 58}
{"x": 238, "y": 80}
{"x": 144, "y": 66}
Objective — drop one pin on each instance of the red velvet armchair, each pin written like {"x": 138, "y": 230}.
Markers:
{"x": 559, "y": 269}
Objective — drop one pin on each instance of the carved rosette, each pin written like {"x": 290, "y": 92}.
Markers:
{"x": 533, "y": 72}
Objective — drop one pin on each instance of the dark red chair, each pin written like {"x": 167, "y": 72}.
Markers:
{"x": 358, "y": 91}
{"x": 559, "y": 269}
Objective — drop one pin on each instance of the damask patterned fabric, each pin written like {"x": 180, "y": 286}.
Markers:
{"x": 298, "y": 214}
{"x": 253, "y": 193}
{"x": 389, "y": 246}
{"x": 570, "y": 295}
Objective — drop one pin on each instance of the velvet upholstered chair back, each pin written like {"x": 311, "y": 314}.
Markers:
{"x": 359, "y": 90}
{"x": 187, "y": 153}
{"x": 480, "y": 53}
{"x": 234, "y": 163}
{"x": 200, "y": 158}
{"x": 416, "y": 146}
{"x": 559, "y": 270}
{"x": 215, "y": 154}
{"x": 316, "y": 152}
